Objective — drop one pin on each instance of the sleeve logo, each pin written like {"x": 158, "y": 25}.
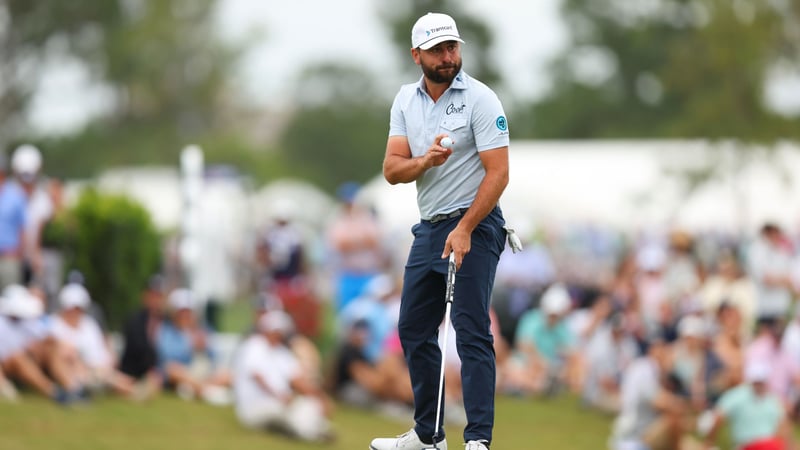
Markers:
{"x": 501, "y": 123}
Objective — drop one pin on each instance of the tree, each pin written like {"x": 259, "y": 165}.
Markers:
{"x": 161, "y": 61}
{"x": 667, "y": 68}
{"x": 339, "y": 131}
{"x": 113, "y": 242}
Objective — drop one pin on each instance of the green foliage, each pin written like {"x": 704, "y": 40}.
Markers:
{"x": 85, "y": 154}
{"x": 675, "y": 69}
{"x": 113, "y": 242}
{"x": 339, "y": 131}
{"x": 160, "y": 61}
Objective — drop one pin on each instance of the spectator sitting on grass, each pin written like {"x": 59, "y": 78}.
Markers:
{"x": 727, "y": 345}
{"x": 28, "y": 358}
{"x": 139, "y": 358}
{"x": 186, "y": 358}
{"x": 544, "y": 346}
{"x": 608, "y": 354}
{"x": 358, "y": 381}
{"x": 301, "y": 345}
{"x": 89, "y": 351}
{"x": 756, "y": 417}
{"x": 271, "y": 390}
{"x": 652, "y": 415}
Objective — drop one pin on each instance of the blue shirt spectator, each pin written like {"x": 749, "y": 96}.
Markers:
{"x": 176, "y": 345}
{"x": 12, "y": 216}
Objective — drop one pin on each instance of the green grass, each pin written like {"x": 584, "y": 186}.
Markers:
{"x": 170, "y": 423}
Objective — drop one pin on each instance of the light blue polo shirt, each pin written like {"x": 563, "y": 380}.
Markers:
{"x": 751, "y": 417}
{"x": 550, "y": 342}
{"x": 12, "y": 215}
{"x": 471, "y": 114}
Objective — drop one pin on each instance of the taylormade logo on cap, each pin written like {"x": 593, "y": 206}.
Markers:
{"x": 433, "y": 28}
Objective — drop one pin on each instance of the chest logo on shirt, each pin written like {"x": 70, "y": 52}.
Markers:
{"x": 453, "y": 109}
{"x": 501, "y": 123}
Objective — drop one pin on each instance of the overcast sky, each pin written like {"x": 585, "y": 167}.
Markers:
{"x": 301, "y": 32}
{"x": 296, "y": 33}
{"x": 528, "y": 33}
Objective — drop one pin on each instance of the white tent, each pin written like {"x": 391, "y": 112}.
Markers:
{"x": 629, "y": 184}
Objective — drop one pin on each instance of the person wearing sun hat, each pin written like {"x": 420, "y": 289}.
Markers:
{"x": 82, "y": 335}
{"x": 26, "y": 357}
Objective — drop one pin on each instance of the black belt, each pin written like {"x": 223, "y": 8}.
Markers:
{"x": 445, "y": 216}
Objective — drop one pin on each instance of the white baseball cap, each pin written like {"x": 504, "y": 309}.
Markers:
{"x": 433, "y": 28}
{"x": 27, "y": 160}
{"x": 692, "y": 326}
{"x": 276, "y": 320}
{"x": 181, "y": 298}
{"x": 17, "y": 301}
{"x": 756, "y": 371}
{"x": 74, "y": 295}
{"x": 556, "y": 299}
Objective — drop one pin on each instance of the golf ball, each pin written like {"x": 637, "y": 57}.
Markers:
{"x": 446, "y": 142}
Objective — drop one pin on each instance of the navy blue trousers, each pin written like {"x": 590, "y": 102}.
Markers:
{"x": 422, "y": 311}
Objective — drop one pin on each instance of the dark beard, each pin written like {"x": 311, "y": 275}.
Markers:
{"x": 433, "y": 74}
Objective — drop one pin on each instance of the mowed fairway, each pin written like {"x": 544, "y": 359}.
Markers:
{"x": 171, "y": 423}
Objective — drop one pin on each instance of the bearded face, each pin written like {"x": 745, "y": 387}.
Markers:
{"x": 441, "y": 63}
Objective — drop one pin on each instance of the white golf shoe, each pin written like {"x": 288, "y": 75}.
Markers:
{"x": 476, "y": 445}
{"x": 406, "y": 441}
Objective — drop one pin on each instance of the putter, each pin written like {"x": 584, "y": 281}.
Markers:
{"x": 451, "y": 284}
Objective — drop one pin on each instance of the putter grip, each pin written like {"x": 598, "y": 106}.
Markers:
{"x": 451, "y": 277}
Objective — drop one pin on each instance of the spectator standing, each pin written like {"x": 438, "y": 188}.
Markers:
{"x": 770, "y": 263}
{"x": 27, "y": 163}
{"x": 355, "y": 240}
{"x": 13, "y": 203}
{"x": 282, "y": 254}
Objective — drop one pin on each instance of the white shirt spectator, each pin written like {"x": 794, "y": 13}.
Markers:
{"x": 767, "y": 260}
{"x": 276, "y": 365}
{"x": 260, "y": 408}
{"x": 40, "y": 209}
{"x": 606, "y": 358}
{"x": 640, "y": 386}
{"x": 87, "y": 338}
{"x": 12, "y": 341}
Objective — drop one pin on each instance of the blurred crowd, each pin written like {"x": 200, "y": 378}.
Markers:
{"x": 673, "y": 333}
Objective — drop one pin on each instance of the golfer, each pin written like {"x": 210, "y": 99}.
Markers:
{"x": 458, "y": 189}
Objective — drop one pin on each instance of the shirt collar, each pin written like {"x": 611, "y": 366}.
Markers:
{"x": 459, "y": 82}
